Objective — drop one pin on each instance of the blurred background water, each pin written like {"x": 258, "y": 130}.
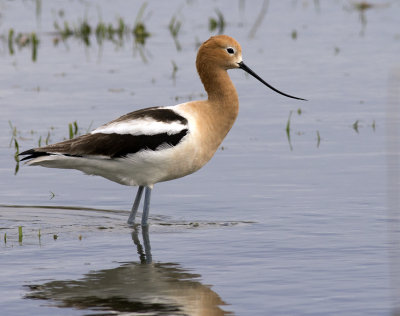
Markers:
{"x": 299, "y": 218}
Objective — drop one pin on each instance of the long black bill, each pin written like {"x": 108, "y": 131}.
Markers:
{"x": 251, "y": 72}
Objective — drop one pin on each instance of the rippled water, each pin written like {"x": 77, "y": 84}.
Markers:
{"x": 273, "y": 225}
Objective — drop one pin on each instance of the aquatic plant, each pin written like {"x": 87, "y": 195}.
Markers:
{"x": 174, "y": 27}
{"x": 14, "y": 132}
{"x": 83, "y": 31}
{"x": 100, "y": 32}
{"x": 219, "y": 23}
{"x": 121, "y": 29}
{"x": 16, "y": 146}
{"x": 288, "y": 130}
{"x": 259, "y": 19}
{"x": 20, "y": 235}
{"x": 35, "y": 43}
{"x": 174, "y": 70}
{"x": 10, "y": 41}
{"x": 140, "y": 34}
{"x": 23, "y": 40}
{"x": 139, "y": 31}
{"x": 73, "y": 129}
{"x": 362, "y": 5}
{"x": 63, "y": 32}
{"x": 16, "y": 156}
{"x": 46, "y": 141}
{"x": 318, "y": 139}
{"x": 355, "y": 126}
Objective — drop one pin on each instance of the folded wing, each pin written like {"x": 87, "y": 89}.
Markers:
{"x": 148, "y": 129}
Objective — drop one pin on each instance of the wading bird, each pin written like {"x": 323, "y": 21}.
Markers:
{"x": 158, "y": 144}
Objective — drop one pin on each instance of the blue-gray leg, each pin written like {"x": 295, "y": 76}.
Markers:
{"x": 146, "y": 207}
{"x": 135, "y": 206}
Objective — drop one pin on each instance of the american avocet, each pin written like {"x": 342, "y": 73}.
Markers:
{"x": 157, "y": 144}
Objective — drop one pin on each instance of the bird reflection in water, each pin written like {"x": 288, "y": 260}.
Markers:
{"x": 144, "y": 256}
{"x": 138, "y": 287}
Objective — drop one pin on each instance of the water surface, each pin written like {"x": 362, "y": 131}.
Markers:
{"x": 269, "y": 226}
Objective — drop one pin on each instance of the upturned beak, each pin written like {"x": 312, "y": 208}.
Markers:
{"x": 251, "y": 72}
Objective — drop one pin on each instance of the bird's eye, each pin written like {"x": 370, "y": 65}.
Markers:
{"x": 230, "y": 50}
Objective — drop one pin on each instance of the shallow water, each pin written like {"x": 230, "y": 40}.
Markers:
{"x": 269, "y": 227}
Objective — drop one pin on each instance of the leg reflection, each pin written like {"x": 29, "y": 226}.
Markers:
{"x": 146, "y": 242}
{"x": 144, "y": 255}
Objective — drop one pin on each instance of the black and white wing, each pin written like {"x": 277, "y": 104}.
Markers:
{"x": 153, "y": 129}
